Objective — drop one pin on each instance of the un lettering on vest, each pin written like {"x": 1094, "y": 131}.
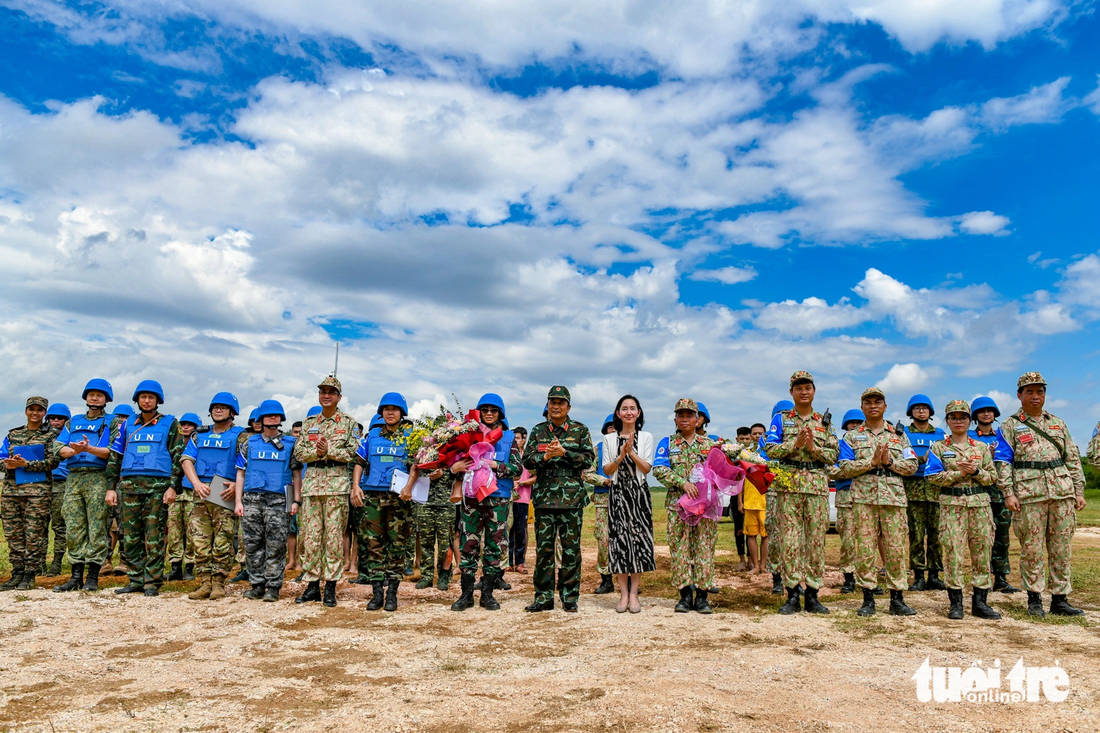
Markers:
{"x": 268, "y": 468}
{"x": 147, "y": 450}
{"x": 385, "y": 457}
{"x": 80, "y": 429}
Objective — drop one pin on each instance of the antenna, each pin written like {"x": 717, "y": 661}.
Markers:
{"x": 336, "y": 365}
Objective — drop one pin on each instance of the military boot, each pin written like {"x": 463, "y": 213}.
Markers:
{"x": 1000, "y": 583}
{"x": 849, "y": 583}
{"x": 311, "y": 593}
{"x": 701, "y": 605}
{"x": 378, "y": 597}
{"x": 466, "y": 599}
{"x": 605, "y": 586}
{"x": 686, "y": 603}
{"x": 254, "y": 593}
{"x": 898, "y": 606}
{"x": 979, "y": 608}
{"x": 217, "y": 587}
{"x": 408, "y": 570}
{"x": 74, "y": 582}
{"x": 91, "y": 578}
{"x": 27, "y": 582}
{"x": 55, "y": 566}
{"x": 777, "y": 584}
{"x": 271, "y": 595}
{"x": 240, "y": 577}
{"x": 426, "y": 581}
{"x": 793, "y": 604}
{"x": 918, "y": 581}
{"x": 391, "y": 595}
{"x": 812, "y": 604}
{"x": 934, "y": 582}
{"x": 955, "y": 596}
{"x": 130, "y": 588}
{"x": 444, "y": 580}
{"x": 360, "y": 579}
{"x": 330, "y": 594}
{"x": 189, "y": 571}
{"x": 13, "y": 581}
{"x": 501, "y": 583}
{"x": 868, "y": 607}
{"x": 177, "y": 571}
{"x": 1035, "y": 604}
{"x": 1059, "y": 606}
{"x": 487, "y": 601}
{"x": 203, "y": 591}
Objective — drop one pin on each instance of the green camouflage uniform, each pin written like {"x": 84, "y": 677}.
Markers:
{"x": 326, "y": 484}
{"x": 484, "y": 524}
{"x": 1046, "y": 479}
{"x": 211, "y": 529}
{"x": 383, "y": 525}
{"x": 181, "y": 544}
{"x": 559, "y": 497}
{"x": 144, "y": 513}
{"x": 878, "y": 501}
{"x": 114, "y": 513}
{"x": 804, "y": 507}
{"x": 87, "y": 516}
{"x": 922, "y": 512}
{"x": 771, "y": 526}
{"x": 435, "y": 526}
{"x": 1002, "y": 520}
{"x": 57, "y": 518}
{"x": 965, "y": 520}
{"x": 1093, "y": 453}
{"x": 600, "y": 497}
{"x": 844, "y": 525}
{"x": 25, "y": 509}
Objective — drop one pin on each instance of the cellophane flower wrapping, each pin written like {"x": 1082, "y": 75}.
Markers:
{"x": 714, "y": 477}
{"x": 479, "y": 481}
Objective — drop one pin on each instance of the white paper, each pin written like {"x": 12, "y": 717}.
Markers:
{"x": 420, "y": 488}
{"x": 217, "y": 486}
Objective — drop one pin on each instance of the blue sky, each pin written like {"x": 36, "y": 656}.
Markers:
{"x": 619, "y": 198}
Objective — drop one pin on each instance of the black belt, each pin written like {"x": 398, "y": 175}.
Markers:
{"x": 574, "y": 473}
{"x": 327, "y": 464}
{"x": 1041, "y": 465}
{"x": 880, "y": 472}
{"x": 806, "y": 465}
{"x": 964, "y": 491}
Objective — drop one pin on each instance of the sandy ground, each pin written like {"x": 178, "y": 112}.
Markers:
{"x": 84, "y": 662}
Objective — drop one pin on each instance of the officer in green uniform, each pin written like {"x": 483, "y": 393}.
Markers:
{"x": 557, "y": 452}
{"x": 986, "y": 413}
{"x": 57, "y": 416}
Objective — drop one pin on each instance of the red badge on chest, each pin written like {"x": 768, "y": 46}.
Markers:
{"x": 543, "y": 447}
{"x": 1025, "y": 438}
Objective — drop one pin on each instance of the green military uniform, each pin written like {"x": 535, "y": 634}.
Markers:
{"x": 181, "y": 543}
{"x": 435, "y": 525}
{"x": 383, "y": 524}
{"x": 87, "y": 516}
{"x": 25, "y": 504}
{"x": 999, "y": 563}
{"x": 484, "y": 524}
{"x": 923, "y": 517}
{"x": 1093, "y": 453}
{"x": 559, "y": 497}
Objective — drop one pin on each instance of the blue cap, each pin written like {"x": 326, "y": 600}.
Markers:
{"x": 192, "y": 418}
{"x": 920, "y": 399}
{"x": 58, "y": 409}
{"x": 609, "y": 420}
{"x": 123, "y": 410}
{"x": 376, "y": 422}
{"x": 228, "y": 399}
{"x": 315, "y": 410}
{"x": 985, "y": 403}
{"x": 252, "y": 416}
{"x": 703, "y": 410}
{"x": 851, "y": 415}
{"x": 101, "y": 385}
{"x": 270, "y": 407}
{"x": 393, "y": 399}
{"x": 546, "y": 410}
{"x": 781, "y": 406}
{"x": 151, "y": 386}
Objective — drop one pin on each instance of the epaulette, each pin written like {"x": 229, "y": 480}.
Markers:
{"x": 203, "y": 429}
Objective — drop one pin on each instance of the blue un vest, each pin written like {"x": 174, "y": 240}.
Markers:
{"x": 217, "y": 455}
{"x": 502, "y": 454}
{"x": 80, "y": 428}
{"x": 31, "y": 453}
{"x": 921, "y": 442}
{"x": 147, "y": 448}
{"x": 268, "y": 467}
{"x": 61, "y": 472}
{"x": 385, "y": 457}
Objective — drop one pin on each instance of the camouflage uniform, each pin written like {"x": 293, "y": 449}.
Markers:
{"x": 771, "y": 526}
{"x": 804, "y": 507}
{"x": 488, "y": 519}
{"x": 845, "y": 523}
{"x": 383, "y": 525}
{"x": 144, "y": 513}
{"x": 181, "y": 545}
{"x": 87, "y": 516}
{"x": 435, "y": 525}
{"x": 878, "y": 502}
{"x": 691, "y": 548}
{"x": 211, "y": 528}
{"x": 1002, "y": 517}
{"x": 559, "y": 497}
{"x": 323, "y": 515}
{"x": 1093, "y": 453}
{"x": 25, "y": 508}
{"x": 600, "y": 498}
{"x": 265, "y": 524}
{"x": 965, "y": 519}
{"x": 57, "y": 518}
{"x": 923, "y": 515}
{"x": 1046, "y": 479}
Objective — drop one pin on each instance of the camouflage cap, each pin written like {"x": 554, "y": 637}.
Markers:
{"x": 957, "y": 406}
{"x": 40, "y": 401}
{"x": 801, "y": 376}
{"x": 686, "y": 403}
{"x": 331, "y": 382}
{"x": 1030, "y": 378}
{"x": 558, "y": 392}
{"x": 872, "y": 392}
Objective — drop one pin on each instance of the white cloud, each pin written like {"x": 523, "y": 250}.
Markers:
{"x": 904, "y": 379}
{"x": 1092, "y": 100}
{"x": 725, "y": 275}
{"x": 1080, "y": 283}
{"x": 1049, "y": 319}
{"x": 1041, "y": 105}
{"x": 809, "y": 317}
{"x": 984, "y": 222}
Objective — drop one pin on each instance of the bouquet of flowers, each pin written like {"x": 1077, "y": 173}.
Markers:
{"x": 444, "y": 439}
{"x": 758, "y": 472}
{"x": 715, "y": 476}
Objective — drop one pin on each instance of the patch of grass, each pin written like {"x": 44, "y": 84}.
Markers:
{"x": 1020, "y": 614}
{"x": 862, "y": 628}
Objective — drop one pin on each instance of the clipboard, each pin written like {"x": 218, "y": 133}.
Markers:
{"x": 420, "y": 488}
{"x": 217, "y": 486}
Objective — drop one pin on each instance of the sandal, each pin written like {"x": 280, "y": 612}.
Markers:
{"x": 521, "y": 569}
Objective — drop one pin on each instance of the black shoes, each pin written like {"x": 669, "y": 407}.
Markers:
{"x": 189, "y": 571}
{"x": 177, "y": 571}
{"x": 26, "y": 582}
{"x": 1059, "y": 606}
{"x": 1001, "y": 584}
{"x": 13, "y": 582}
{"x": 311, "y": 593}
{"x": 978, "y": 606}
{"x": 605, "y": 587}
{"x": 934, "y": 582}
{"x": 254, "y": 593}
{"x": 487, "y": 601}
{"x": 466, "y": 599}
{"x": 812, "y": 604}
{"x": 539, "y": 606}
{"x": 271, "y": 595}
{"x": 898, "y": 606}
{"x": 91, "y": 578}
{"x": 849, "y": 583}
{"x": 55, "y": 566}
{"x": 793, "y": 604}
{"x": 131, "y": 588}
{"x": 391, "y": 595}
{"x": 330, "y": 594}
{"x": 240, "y": 577}
{"x": 378, "y": 596}
{"x": 777, "y": 584}
{"x": 918, "y": 581}
{"x": 868, "y": 607}
{"x": 569, "y": 606}
{"x": 75, "y": 582}
{"x": 955, "y": 596}
{"x": 686, "y": 604}
{"x": 151, "y": 592}
{"x": 701, "y": 605}
{"x": 360, "y": 579}
{"x": 1035, "y": 604}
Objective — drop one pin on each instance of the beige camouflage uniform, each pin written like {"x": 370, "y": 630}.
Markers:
{"x": 1046, "y": 484}
{"x": 1094, "y": 448}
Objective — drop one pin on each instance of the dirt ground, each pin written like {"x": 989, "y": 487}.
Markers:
{"x": 91, "y": 662}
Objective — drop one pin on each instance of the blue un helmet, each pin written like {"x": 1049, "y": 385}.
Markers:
{"x": 920, "y": 399}
{"x": 492, "y": 399}
{"x": 191, "y": 418}
{"x": 315, "y": 410}
{"x": 58, "y": 409}
{"x": 608, "y": 421}
{"x": 985, "y": 403}
{"x": 270, "y": 407}
{"x": 228, "y": 399}
{"x": 376, "y": 422}
{"x": 546, "y": 410}
{"x": 252, "y": 417}
{"x": 782, "y": 406}
{"x": 393, "y": 399}
{"x": 703, "y": 411}
{"x": 151, "y": 386}
{"x": 851, "y": 415}
{"x": 101, "y": 385}
{"x": 123, "y": 410}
